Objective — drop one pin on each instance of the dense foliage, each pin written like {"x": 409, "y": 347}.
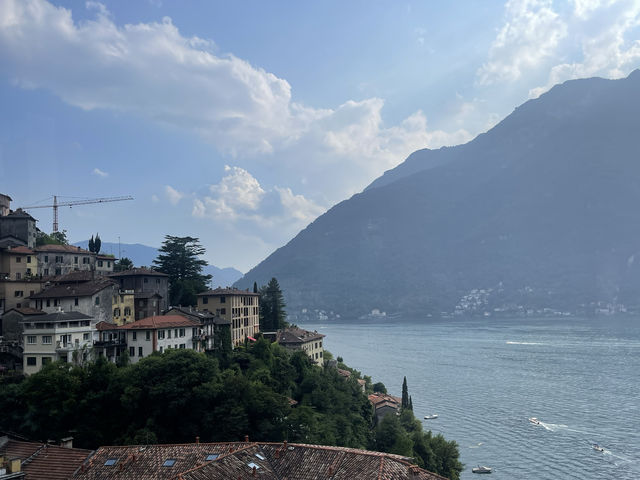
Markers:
{"x": 55, "y": 238}
{"x": 95, "y": 244}
{"x": 273, "y": 315}
{"x": 261, "y": 390}
{"x": 178, "y": 258}
{"x": 122, "y": 264}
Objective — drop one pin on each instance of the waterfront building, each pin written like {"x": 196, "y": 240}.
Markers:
{"x": 240, "y": 307}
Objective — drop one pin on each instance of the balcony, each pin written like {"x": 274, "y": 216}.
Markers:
{"x": 110, "y": 343}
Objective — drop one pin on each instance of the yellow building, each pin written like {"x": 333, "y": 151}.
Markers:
{"x": 294, "y": 338}
{"x": 123, "y": 304}
{"x": 240, "y": 307}
{"x": 18, "y": 279}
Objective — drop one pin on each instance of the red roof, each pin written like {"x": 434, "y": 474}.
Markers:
{"x": 62, "y": 249}
{"x": 102, "y": 326}
{"x": 21, "y": 249}
{"x": 46, "y": 462}
{"x": 161, "y": 321}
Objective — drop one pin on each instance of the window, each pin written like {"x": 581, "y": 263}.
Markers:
{"x": 132, "y": 351}
{"x": 46, "y": 259}
{"x": 75, "y": 260}
{"x": 211, "y": 456}
{"x": 160, "y": 334}
{"x": 182, "y": 333}
{"x": 18, "y": 259}
{"x": 55, "y": 302}
{"x": 223, "y": 300}
{"x": 28, "y": 271}
{"x": 58, "y": 271}
{"x": 18, "y": 293}
{"x": 28, "y": 258}
{"x": 223, "y": 311}
{"x": 182, "y": 345}
{"x": 148, "y": 335}
{"x": 46, "y": 360}
{"x": 18, "y": 275}
{"x": 31, "y": 361}
{"x": 169, "y": 462}
{"x": 75, "y": 301}
{"x": 161, "y": 349}
{"x": 140, "y": 351}
{"x": 46, "y": 271}
{"x": 97, "y": 301}
{"x": 134, "y": 336}
{"x": 108, "y": 263}
{"x": 175, "y": 332}
{"x": 58, "y": 258}
{"x": 46, "y": 339}
{"x": 168, "y": 333}
{"x": 116, "y": 312}
{"x": 85, "y": 260}
{"x": 31, "y": 339}
{"x": 100, "y": 263}
{"x": 85, "y": 336}
{"x": 205, "y": 300}
{"x": 48, "y": 302}
{"x": 127, "y": 311}
{"x": 110, "y": 462}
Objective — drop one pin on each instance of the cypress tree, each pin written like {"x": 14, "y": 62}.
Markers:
{"x": 97, "y": 243}
{"x": 405, "y": 394}
{"x": 91, "y": 244}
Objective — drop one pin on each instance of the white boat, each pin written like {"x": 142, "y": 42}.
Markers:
{"x": 481, "y": 469}
{"x": 534, "y": 420}
{"x": 598, "y": 448}
{"x": 431, "y": 417}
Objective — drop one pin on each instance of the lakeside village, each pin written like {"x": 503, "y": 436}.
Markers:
{"x": 94, "y": 354}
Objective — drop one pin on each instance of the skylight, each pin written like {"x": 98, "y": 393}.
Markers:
{"x": 260, "y": 456}
{"x": 110, "y": 462}
{"x": 169, "y": 462}
{"x": 212, "y": 456}
{"x": 253, "y": 465}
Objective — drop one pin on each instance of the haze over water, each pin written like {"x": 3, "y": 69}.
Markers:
{"x": 486, "y": 377}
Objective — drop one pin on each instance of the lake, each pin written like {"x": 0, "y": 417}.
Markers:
{"x": 485, "y": 377}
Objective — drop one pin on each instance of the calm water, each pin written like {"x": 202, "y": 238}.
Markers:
{"x": 486, "y": 377}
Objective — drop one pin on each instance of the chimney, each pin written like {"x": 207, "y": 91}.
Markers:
{"x": 285, "y": 444}
{"x": 253, "y": 472}
{"x": 197, "y": 439}
{"x": 278, "y": 453}
{"x": 66, "y": 442}
{"x": 246, "y": 438}
{"x": 14, "y": 465}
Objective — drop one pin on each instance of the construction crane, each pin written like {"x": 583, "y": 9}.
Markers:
{"x": 57, "y": 204}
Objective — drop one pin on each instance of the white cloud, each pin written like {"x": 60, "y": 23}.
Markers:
{"x": 173, "y": 195}
{"x": 154, "y": 72}
{"x": 531, "y": 33}
{"x": 100, "y": 173}
{"x": 604, "y": 29}
{"x": 155, "y": 198}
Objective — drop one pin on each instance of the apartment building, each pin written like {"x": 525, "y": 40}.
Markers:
{"x": 240, "y": 307}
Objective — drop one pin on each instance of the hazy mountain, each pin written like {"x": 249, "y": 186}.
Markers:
{"x": 540, "y": 212}
{"x": 143, "y": 255}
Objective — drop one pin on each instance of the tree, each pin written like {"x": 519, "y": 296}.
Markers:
{"x": 95, "y": 244}
{"x": 123, "y": 264}
{"x": 272, "y": 313}
{"x": 56, "y": 238}
{"x": 92, "y": 244}
{"x": 405, "y": 394}
{"x": 255, "y": 287}
{"x": 178, "y": 258}
{"x": 379, "y": 388}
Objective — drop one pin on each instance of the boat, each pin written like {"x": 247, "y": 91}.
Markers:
{"x": 598, "y": 448}
{"x": 431, "y": 417}
{"x": 481, "y": 469}
{"x": 535, "y": 421}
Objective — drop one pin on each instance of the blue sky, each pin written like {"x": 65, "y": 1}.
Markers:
{"x": 241, "y": 122}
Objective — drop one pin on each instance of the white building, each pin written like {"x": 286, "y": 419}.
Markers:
{"x": 55, "y": 336}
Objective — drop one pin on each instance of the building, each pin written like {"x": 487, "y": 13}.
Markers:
{"x": 160, "y": 333}
{"x": 92, "y": 298}
{"x": 123, "y": 305}
{"x": 294, "y": 338}
{"x": 18, "y": 225}
{"x": 63, "y": 259}
{"x": 39, "y": 461}
{"x": 384, "y": 404}
{"x": 109, "y": 341}
{"x": 105, "y": 264}
{"x": 240, "y": 307}
{"x": 215, "y": 329}
{"x": 151, "y": 290}
{"x": 18, "y": 263}
{"x": 18, "y": 280}
{"x": 55, "y": 336}
{"x": 269, "y": 461}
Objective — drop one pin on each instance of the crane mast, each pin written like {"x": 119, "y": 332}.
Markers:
{"x": 88, "y": 201}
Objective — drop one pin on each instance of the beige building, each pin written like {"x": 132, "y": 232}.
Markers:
{"x": 63, "y": 259}
{"x": 55, "y": 336}
{"x": 105, "y": 264}
{"x": 18, "y": 280}
{"x": 123, "y": 304}
{"x": 240, "y": 307}
{"x": 294, "y": 338}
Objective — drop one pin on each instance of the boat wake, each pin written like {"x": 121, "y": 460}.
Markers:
{"x": 477, "y": 445}
{"x": 554, "y": 427}
{"x": 509, "y": 342}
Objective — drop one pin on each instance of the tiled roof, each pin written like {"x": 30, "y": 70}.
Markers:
{"x": 103, "y": 326}
{"x": 105, "y": 257}
{"x": 75, "y": 276}
{"x": 297, "y": 335}
{"x": 62, "y": 249}
{"x": 267, "y": 461}
{"x": 27, "y": 311}
{"x": 21, "y": 250}
{"x": 138, "y": 295}
{"x": 190, "y": 313}
{"x": 18, "y": 213}
{"x": 74, "y": 289}
{"x": 227, "y": 291}
{"x": 45, "y": 462}
{"x": 161, "y": 321}
{"x": 138, "y": 271}
{"x": 60, "y": 317}
{"x": 377, "y": 399}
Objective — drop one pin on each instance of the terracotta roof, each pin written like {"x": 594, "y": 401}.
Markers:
{"x": 21, "y": 250}
{"x": 74, "y": 289}
{"x": 75, "y": 276}
{"x": 105, "y": 257}
{"x": 268, "y": 461}
{"x": 161, "y": 321}
{"x": 45, "y": 462}
{"x": 138, "y": 271}
{"x": 296, "y": 335}
{"x": 379, "y": 398}
{"x": 344, "y": 373}
{"x": 62, "y": 249}
{"x": 227, "y": 291}
{"x": 103, "y": 326}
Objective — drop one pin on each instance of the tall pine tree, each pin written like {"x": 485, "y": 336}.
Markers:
{"x": 405, "y": 394}
{"x": 272, "y": 313}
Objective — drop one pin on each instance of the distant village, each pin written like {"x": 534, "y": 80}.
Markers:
{"x": 62, "y": 302}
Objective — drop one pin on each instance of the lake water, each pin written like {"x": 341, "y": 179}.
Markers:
{"x": 486, "y": 377}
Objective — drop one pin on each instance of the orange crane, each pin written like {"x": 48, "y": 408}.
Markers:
{"x": 57, "y": 204}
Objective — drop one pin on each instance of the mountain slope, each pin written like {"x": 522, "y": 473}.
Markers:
{"x": 539, "y": 212}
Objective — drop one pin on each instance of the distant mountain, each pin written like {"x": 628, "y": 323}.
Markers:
{"x": 540, "y": 215}
{"x": 143, "y": 255}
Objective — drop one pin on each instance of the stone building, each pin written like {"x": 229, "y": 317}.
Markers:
{"x": 151, "y": 290}
{"x": 18, "y": 224}
{"x": 63, "y": 259}
{"x": 240, "y": 307}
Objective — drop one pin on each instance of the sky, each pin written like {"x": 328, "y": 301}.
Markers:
{"x": 241, "y": 122}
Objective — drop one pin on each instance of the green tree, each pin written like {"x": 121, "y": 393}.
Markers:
{"x": 255, "y": 287}
{"x": 97, "y": 244}
{"x": 405, "y": 394}
{"x": 122, "y": 264}
{"x": 379, "y": 387}
{"x": 92, "y": 244}
{"x": 56, "y": 238}
{"x": 178, "y": 258}
{"x": 272, "y": 307}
